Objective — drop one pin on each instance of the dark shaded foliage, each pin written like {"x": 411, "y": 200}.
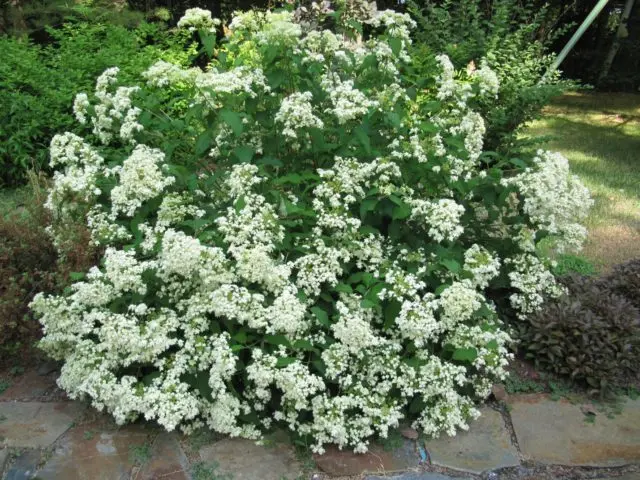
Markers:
{"x": 591, "y": 335}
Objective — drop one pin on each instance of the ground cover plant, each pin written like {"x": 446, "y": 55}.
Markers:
{"x": 591, "y": 335}
{"x": 304, "y": 233}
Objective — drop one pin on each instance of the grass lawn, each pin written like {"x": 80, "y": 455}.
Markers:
{"x": 600, "y": 135}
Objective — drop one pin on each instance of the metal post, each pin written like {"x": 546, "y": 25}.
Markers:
{"x": 576, "y": 36}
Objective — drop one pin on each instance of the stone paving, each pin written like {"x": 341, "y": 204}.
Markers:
{"x": 527, "y": 437}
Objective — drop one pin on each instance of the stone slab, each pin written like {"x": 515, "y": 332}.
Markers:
{"x": 418, "y": 476}
{"x": 377, "y": 460}
{"x": 4, "y": 456}
{"x": 555, "y": 432}
{"x": 485, "y": 446}
{"x": 25, "y": 466}
{"x": 247, "y": 461}
{"x": 87, "y": 453}
{"x": 167, "y": 461}
{"x": 626, "y": 476}
{"x": 36, "y": 424}
{"x": 30, "y": 387}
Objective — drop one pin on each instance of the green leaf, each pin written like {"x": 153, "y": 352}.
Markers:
{"x": 270, "y": 161}
{"x": 76, "y": 276}
{"x": 209, "y": 42}
{"x": 416, "y": 405}
{"x": 451, "y": 264}
{"x": 368, "y": 303}
{"x": 303, "y": 345}
{"x": 284, "y": 361}
{"x": 203, "y": 142}
{"x": 321, "y": 315}
{"x": 344, "y": 288}
{"x": 401, "y": 212}
{"x": 465, "y": 354}
{"x": 276, "y": 77}
{"x": 363, "y": 138}
{"x": 396, "y": 45}
{"x": 276, "y": 339}
{"x": 234, "y": 120}
{"x": 367, "y": 205}
{"x": 148, "y": 379}
{"x": 391, "y": 312}
{"x": 244, "y": 153}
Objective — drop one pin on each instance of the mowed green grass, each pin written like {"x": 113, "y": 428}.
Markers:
{"x": 600, "y": 135}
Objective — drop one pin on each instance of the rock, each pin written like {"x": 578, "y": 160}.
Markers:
{"x": 499, "y": 392}
{"x": 417, "y": 476}
{"x": 247, "y": 461}
{"x": 25, "y": 466}
{"x": 486, "y": 446}
{"x": 167, "y": 461}
{"x": 36, "y": 424}
{"x": 4, "y": 456}
{"x": 29, "y": 387}
{"x": 346, "y": 463}
{"x": 87, "y": 453}
{"x": 555, "y": 432}
{"x": 409, "y": 433}
{"x": 627, "y": 476}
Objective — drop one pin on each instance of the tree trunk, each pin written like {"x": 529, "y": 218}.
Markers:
{"x": 615, "y": 45}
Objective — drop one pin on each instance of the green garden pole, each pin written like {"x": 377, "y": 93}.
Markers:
{"x": 576, "y": 36}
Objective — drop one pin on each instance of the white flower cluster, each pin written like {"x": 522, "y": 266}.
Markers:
{"x": 533, "y": 282}
{"x": 441, "y": 219}
{"x": 318, "y": 293}
{"x": 198, "y": 19}
{"x": 348, "y": 102}
{"x": 556, "y": 200}
{"x": 481, "y": 264}
{"x": 296, "y": 112}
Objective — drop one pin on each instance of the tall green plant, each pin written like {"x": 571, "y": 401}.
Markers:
{"x": 38, "y": 83}
{"x": 509, "y": 36}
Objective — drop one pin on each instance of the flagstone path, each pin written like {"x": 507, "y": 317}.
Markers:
{"x": 527, "y": 437}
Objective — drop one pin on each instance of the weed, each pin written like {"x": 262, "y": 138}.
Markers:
{"x": 88, "y": 434}
{"x": 140, "y": 454}
{"x": 208, "y": 471}
{"x": 4, "y": 384}
{"x": 514, "y": 384}
{"x": 201, "y": 438}
{"x": 392, "y": 441}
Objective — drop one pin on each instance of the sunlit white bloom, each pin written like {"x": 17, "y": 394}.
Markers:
{"x": 198, "y": 19}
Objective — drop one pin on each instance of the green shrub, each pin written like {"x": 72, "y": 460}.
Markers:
{"x": 512, "y": 38}
{"x": 589, "y": 335}
{"x": 38, "y": 83}
{"x": 298, "y": 235}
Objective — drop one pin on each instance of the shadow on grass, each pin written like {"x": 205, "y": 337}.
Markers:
{"x": 601, "y": 154}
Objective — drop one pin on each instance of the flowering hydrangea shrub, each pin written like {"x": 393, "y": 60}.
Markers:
{"x": 299, "y": 234}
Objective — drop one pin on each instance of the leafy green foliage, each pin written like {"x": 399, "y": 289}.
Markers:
{"x": 567, "y": 264}
{"x": 38, "y": 83}
{"x": 510, "y": 36}
{"x": 590, "y": 335}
